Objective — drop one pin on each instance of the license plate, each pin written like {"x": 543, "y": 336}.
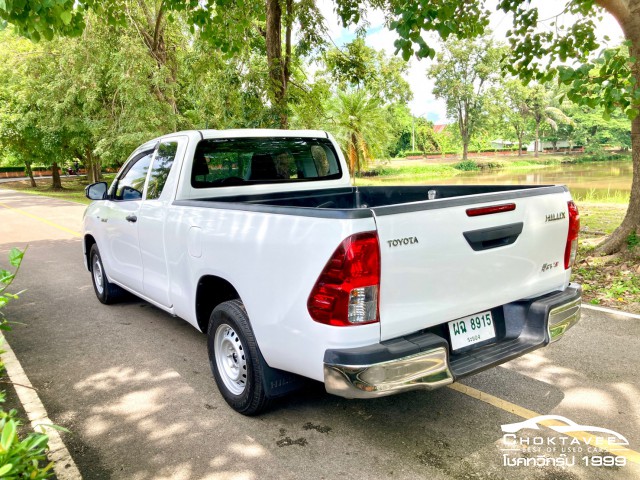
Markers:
{"x": 471, "y": 330}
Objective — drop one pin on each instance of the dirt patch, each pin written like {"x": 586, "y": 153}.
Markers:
{"x": 612, "y": 281}
{"x": 318, "y": 428}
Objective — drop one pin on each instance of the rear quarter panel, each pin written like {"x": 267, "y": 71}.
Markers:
{"x": 273, "y": 261}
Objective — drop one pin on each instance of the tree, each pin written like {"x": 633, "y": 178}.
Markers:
{"x": 91, "y": 98}
{"x": 517, "y": 109}
{"x": 95, "y": 97}
{"x": 360, "y": 123}
{"x": 539, "y": 107}
{"x": 463, "y": 73}
{"x": 218, "y": 92}
{"x": 593, "y": 130}
{"x": 230, "y": 26}
{"x": 26, "y": 127}
{"x": 401, "y": 124}
{"x": 535, "y": 52}
{"x": 423, "y": 136}
{"x": 359, "y": 66}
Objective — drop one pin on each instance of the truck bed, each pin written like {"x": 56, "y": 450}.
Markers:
{"x": 359, "y": 202}
{"x": 436, "y": 249}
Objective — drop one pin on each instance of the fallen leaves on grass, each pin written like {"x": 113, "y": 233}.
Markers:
{"x": 612, "y": 281}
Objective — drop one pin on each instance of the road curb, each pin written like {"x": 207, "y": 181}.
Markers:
{"x": 612, "y": 311}
{"x": 64, "y": 467}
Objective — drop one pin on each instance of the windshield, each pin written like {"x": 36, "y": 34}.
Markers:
{"x": 238, "y": 161}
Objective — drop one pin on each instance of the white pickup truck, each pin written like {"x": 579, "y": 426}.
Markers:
{"x": 258, "y": 238}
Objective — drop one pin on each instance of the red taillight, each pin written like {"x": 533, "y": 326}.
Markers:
{"x": 346, "y": 293}
{"x": 572, "y": 237}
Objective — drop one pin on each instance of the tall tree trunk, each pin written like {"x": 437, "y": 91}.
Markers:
{"x": 56, "y": 184}
{"x": 94, "y": 173}
{"x": 89, "y": 171}
{"x": 618, "y": 239}
{"x": 27, "y": 167}
{"x": 273, "y": 38}
{"x": 465, "y": 149}
{"x": 519, "y": 145}
{"x": 537, "y": 142}
{"x": 627, "y": 15}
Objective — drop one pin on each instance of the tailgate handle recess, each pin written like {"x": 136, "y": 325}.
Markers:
{"x": 487, "y": 238}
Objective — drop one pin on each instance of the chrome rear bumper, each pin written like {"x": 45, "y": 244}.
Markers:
{"x": 428, "y": 370}
{"x": 564, "y": 317}
{"x": 422, "y": 361}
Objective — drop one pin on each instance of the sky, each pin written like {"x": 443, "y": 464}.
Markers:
{"x": 424, "y": 104}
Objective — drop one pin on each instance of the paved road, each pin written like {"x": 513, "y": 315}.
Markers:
{"x": 133, "y": 385}
{"x": 15, "y": 179}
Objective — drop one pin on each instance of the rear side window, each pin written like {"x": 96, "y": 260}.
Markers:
{"x": 131, "y": 182}
{"x": 238, "y": 161}
{"x": 161, "y": 167}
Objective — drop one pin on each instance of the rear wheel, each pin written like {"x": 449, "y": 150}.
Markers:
{"x": 106, "y": 291}
{"x": 235, "y": 359}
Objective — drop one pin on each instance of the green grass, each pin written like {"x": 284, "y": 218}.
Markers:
{"x": 405, "y": 174}
{"x": 612, "y": 281}
{"x": 609, "y": 281}
{"x": 600, "y": 219}
{"x": 600, "y": 196}
{"x": 72, "y": 187}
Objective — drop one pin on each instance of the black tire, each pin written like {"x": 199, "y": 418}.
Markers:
{"x": 107, "y": 292}
{"x": 235, "y": 359}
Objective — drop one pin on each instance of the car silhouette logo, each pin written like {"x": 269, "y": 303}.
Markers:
{"x": 570, "y": 426}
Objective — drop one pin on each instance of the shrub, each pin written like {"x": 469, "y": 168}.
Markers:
{"x": 492, "y": 165}
{"x": 412, "y": 153}
{"x": 467, "y": 166}
{"x": 601, "y": 156}
{"x": 24, "y": 458}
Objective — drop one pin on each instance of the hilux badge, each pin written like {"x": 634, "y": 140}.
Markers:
{"x": 552, "y": 217}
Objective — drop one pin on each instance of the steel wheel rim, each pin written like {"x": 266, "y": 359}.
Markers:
{"x": 231, "y": 360}
{"x": 98, "y": 277}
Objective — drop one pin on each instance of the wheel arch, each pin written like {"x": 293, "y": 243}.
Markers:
{"x": 89, "y": 241}
{"x": 211, "y": 292}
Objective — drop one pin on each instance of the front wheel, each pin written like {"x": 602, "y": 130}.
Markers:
{"x": 235, "y": 359}
{"x": 106, "y": 291}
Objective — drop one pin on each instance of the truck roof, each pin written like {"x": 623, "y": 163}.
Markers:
{"x": 235, "y": 133}
{"x": 262, "y": 132}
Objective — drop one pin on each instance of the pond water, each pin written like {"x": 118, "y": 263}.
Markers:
{"x": 597, "y": 180}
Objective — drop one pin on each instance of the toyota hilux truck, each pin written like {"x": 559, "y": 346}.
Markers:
{"x": 259, "y": 239}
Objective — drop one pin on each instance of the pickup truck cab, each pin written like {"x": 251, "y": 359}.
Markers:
{"x": 259, "y": 239}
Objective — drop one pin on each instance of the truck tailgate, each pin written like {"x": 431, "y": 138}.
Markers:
{"x": 438, "y": 263}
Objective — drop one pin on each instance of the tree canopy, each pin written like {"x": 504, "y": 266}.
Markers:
{"x": 464, "y": 72}
{"x": 284, "y": 31}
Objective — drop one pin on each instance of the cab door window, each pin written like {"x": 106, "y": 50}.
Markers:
{"x": 162, "y": 163}
{"x": 131, "y": 183}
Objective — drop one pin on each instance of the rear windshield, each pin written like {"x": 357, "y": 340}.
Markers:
{"x": 238, "y": 161}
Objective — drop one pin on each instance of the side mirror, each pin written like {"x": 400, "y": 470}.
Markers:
{"x": 96, "y": 191}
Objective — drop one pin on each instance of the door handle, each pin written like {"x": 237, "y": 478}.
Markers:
{"x": 132, "y": 218}
{"x": 488, "y": 238}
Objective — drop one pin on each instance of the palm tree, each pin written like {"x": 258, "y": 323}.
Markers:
{"x": 540, "y": 109}
{"x": 361, "y": 127}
